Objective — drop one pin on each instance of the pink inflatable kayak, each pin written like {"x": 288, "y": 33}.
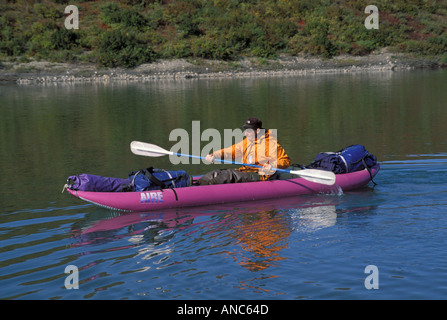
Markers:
{"x": 223, "y": 193}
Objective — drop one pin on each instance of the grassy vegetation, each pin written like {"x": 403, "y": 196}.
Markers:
{"x": 128, "y": 33}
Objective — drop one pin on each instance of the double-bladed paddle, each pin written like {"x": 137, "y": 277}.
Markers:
{"x": 313, "y": 175}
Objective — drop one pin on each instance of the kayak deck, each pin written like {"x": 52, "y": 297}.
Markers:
{"x": 222, "y": 193}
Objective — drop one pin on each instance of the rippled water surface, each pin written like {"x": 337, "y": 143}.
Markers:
{"x": 306, "y": 247}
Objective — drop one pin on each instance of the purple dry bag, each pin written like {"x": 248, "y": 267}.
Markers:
{"x": 90, "y": 182}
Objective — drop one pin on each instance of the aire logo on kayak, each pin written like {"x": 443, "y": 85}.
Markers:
{"x": 151, "y": 197}
{"x": 191, "y": 144}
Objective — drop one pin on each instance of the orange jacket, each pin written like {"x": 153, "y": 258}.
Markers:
{"x": 264, "y": 149}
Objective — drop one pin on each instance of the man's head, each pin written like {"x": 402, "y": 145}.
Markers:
{"x": 252, "y": 128}
{"x": 252, "y": 123}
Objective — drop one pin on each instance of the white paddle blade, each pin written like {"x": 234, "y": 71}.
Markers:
{"x": 147, "y": 149}
{"x": 317, "y": 176}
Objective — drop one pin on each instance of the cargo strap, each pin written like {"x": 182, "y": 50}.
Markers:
{"x": 369, "y": 171}
{"x": 149, "y": 173}
{"x": 364, "y": 164}
{"x": 161, "y": 184}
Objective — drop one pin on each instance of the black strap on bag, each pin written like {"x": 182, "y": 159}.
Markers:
{"x": 369, "y": 170}
{"x": 149, "y": 173}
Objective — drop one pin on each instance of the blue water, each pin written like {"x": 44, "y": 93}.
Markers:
{"x": 311, "y": 247}
{"x": 306, "y": 247}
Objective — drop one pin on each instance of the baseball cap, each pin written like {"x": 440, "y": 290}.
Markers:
{"x": 252, "y": 123}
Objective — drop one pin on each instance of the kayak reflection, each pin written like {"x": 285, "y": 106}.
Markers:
{"x": 252, "y": 235}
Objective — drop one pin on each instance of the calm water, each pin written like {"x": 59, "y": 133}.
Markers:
{"x": 312, "y": 247}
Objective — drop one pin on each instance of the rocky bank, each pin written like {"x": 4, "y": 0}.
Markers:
{"x": 36, "y": 72}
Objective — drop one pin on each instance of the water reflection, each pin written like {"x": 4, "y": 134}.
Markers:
{"x": 313, "y": 218}
{"x": 102, "y": 226}
{"x": 261, "y": 236}
{"x": 252, "y": 235}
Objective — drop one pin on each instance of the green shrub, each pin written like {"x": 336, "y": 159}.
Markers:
{"x": 432, "y": 46}
{"x": 11, "y": 43}
{"x": 177, "y": 49}
{"x": 444, "y": 58}
{"x": 118, "y": 48}
{"x": 64, "y": 39}
{"x": 41, "y": 44}
{"x": 209, "y": 48}
{"x": 317, "y": 35}
{"x": 438, "y": 45}
{"x": 367, "y": 45}
{"x": 130, "y": 32}
{"x": 44, "y": 10}
{"x": 112, "y": 14}
{"x": 63, "y": 56}
{"x": 188, "y": 25}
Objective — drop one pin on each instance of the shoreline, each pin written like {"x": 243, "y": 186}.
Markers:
{"x": 41, "y": 72}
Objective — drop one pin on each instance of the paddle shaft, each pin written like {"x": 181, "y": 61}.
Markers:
{"x": 227, "y": 161}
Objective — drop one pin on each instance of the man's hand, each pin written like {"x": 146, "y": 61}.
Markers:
{"x": 267, "y": 169}
{"x": 209, "y": 158}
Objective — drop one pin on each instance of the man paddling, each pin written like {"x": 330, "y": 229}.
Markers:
{"x": 260, "y": 147}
